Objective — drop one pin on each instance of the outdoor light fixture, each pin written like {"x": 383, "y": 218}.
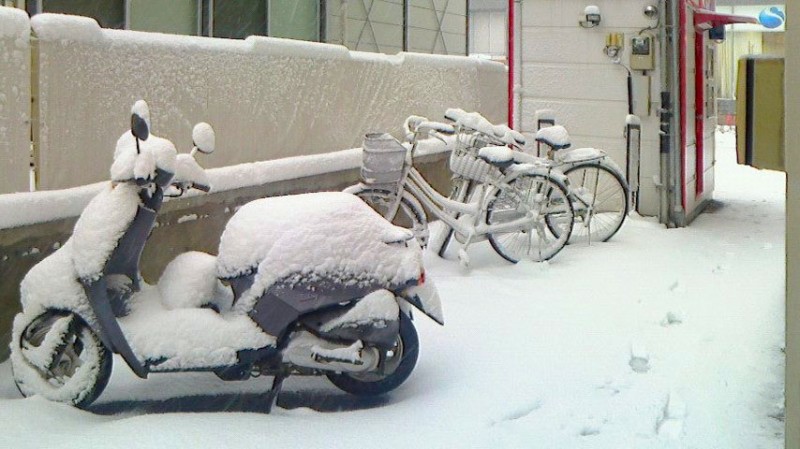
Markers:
{"x": 591, "y": 17}
{"x": 651, "y": 12}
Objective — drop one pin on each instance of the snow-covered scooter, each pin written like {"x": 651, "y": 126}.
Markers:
{"x": 314, "y": 284}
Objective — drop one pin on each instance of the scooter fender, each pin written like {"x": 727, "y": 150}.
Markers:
{"x": 425, "y": 298}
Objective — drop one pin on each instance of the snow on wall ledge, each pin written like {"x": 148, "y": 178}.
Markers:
{"x": 26, "y": 208}
{"x": 267, "y": 98}
{"x": 15, "y": 99}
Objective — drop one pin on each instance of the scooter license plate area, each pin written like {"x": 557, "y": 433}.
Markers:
{"x": 425, "y": 297}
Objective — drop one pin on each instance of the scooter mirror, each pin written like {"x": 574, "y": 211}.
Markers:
{"x": 203, "y": 138}
{"x": 139, "y": 127}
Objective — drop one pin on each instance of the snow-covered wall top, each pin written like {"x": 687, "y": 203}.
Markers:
{"x": 267, "y": 98}
{"x": 15, "y": 99}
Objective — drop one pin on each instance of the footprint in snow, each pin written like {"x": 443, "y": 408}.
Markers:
{"x": 519, "y": 412}
{"x": 589, "y": 431}
{"x": 672, "y": 318}
{"x": 640, "y": 358}
{"x": 670, "y": 424}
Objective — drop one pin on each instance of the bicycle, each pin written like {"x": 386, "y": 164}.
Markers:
{"x": 509, "y": 208}
{"x": 597, "y": 190}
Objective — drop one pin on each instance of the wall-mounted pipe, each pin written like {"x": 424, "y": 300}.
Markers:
{"x": 676, "y": 211}
{"x": 511, "y": 21}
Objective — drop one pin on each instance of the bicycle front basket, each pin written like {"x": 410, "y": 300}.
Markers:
{"x": 383, "y": 159}
{"x": 464, "y": 159}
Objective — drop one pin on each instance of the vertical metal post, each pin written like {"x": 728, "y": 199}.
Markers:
{"x": 36, "y": 144}
{"x": 466, "y": 28}
{"x": 543, "y": 118}
{"x": 267, "y": 6}
{"x": 322, "y": 21}
{"x": 633, "y": 145}
{"x": 406, "y": 12}
{"x": 127, "y": 14}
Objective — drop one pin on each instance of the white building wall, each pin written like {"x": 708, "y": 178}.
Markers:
{"x": 563, "y": 67}
{"x": 15, "y": 100}
{"x": 488, "y": 33}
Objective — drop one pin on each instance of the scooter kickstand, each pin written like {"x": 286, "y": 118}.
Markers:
{"x": 272, "y": 394}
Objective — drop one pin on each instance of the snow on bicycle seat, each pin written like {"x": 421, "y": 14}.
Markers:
{"x": 508, "y": 136}
{"x": 329, "y": 234}
{"x": 498, "y": 156}
{"x": 555, "y": 136}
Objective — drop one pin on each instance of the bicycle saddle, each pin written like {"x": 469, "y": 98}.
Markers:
{"x": 556, "y": 137}
{"x": 500, "y": 157}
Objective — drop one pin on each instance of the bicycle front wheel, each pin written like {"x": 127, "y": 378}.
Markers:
{"x": 543, "y": 199}
{"x": 600, "y": 200}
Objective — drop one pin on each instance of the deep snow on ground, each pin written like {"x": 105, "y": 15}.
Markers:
{"x": 659, "y": 338}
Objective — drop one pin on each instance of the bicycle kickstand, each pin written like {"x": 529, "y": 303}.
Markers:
{"x": 272, "y": 394}
{"x": 463, "y": 257}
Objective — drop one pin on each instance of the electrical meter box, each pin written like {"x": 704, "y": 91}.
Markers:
{"x": 642, "y": 53}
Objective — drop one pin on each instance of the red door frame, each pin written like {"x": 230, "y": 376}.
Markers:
{"x": 699, "y": 96}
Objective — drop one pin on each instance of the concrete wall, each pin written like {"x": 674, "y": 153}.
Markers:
{"x": 792, "y": 161}
{"x": 15, "y": 100}
{"x": 267, "y": 98}
{"x": 562, "y": 67}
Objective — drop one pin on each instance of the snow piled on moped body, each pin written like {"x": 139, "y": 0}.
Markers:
{"x": 109, "y": 214}
{"x": 329, "y": 234}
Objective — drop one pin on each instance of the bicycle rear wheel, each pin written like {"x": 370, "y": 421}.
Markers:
{"x": 543, "y": 197}
{"x": 409, "y": 214}
{"x": 600, "y": 200}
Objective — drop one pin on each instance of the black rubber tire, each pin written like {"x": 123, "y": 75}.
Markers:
{"x": 556, "y": 192}
{"x": 618, "y": 195}
{"x": 83, "y": 332}
{"x": 352, "y": 385}
{"x": 410, "y": 214}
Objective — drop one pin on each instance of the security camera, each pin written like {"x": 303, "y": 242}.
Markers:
{"x": 592, "y": 17}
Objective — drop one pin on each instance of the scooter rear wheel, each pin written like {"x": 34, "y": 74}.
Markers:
{"x": 59, "y": 357}
{"x": 398, "y": 364}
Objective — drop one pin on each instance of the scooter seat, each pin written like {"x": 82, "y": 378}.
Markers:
{"x": 190, "y": 281}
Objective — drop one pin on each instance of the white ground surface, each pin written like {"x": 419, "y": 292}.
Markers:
{"x": 660, "y": 338}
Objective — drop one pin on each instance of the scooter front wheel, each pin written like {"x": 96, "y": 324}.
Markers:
{"x": 396, "y": 365}
{"x": 59, "y": 357}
